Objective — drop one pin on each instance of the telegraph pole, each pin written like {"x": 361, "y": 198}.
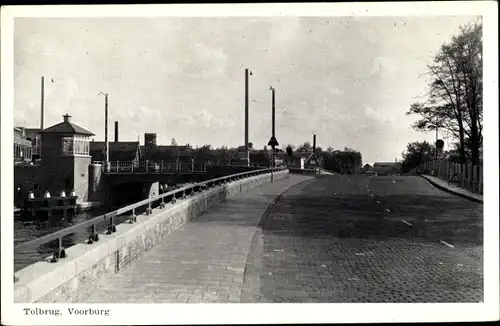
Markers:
{"x": 273, "y": 142}
{"x": 274, "y": 110}
{"x": 42, "y": 104}
{"x": 247, "y": 156}
{"x": 274, "y": 125}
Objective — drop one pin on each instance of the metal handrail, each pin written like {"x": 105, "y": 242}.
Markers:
{"x": 58, "y": 235}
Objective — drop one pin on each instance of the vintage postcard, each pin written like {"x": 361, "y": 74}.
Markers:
{"x": 199, "y": 164}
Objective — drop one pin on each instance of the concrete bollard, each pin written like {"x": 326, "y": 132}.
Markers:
{"x": 31, "y": 195}
{"x": 46, "y": 194}
{"x": 62, "y": 194}
{"x": 72, "y": 193}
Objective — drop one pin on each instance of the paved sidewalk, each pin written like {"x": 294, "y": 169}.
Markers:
{"x": 444, "y": 185}
{"x": 204, "y": 261}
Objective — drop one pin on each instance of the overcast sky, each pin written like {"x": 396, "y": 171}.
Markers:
{"x": 349, "y": 80}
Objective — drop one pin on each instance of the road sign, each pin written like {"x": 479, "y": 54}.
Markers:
{"x": 272, "y": 142}
{"x": 242, "y": 155}
{"x": 312, "y": 159}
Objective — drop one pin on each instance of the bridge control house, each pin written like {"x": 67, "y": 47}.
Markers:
{"x": 64, "y": 165}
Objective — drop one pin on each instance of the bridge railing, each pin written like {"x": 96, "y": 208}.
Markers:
{"x": 168, "y": 197}
{"x": 123, "y": 167}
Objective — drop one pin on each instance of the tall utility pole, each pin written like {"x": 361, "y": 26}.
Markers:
{"x": 106, "y": 128}
{"x": 274, "y": 125}
{"x": 247, "y": 155}
{"x": 42, "y": 105}
{"x": 273, "y": 142}
{"x": 274, "y": 110}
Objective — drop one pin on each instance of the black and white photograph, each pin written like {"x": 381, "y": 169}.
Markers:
{"x": 274, "y": 154}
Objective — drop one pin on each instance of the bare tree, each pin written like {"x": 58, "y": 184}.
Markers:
{"x": 455, "y": 101}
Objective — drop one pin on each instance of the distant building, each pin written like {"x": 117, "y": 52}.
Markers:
{"x": 367, "y": 168}
{"x": 387, "y": 168}
{"x": 22, "y": 146}
{"x": 168, "y": 154}
{"x": 300, "y": 160}
{"x": 118, "y": 151}
{"x": 33, "y": 135}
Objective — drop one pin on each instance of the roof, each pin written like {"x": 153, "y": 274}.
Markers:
{"x": 34, "y": 130}
{"x": 163, "y": 153}
{"x": 66, "y": 128}
{"x": 118, "y": 151}
{"x": 295, "y": 154}
{"x": 386, "y": 164}
{"x": 21, "y": 141}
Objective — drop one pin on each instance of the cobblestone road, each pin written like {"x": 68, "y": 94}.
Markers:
{"x": 327, "y": 239}
{"x": 367, "y": 239}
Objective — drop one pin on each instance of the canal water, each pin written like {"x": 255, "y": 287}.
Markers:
{"x": 27, "y": 228}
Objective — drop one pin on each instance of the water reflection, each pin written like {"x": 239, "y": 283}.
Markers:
{"x": 27, "y": 228}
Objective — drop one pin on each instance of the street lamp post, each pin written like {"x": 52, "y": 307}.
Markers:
{"x": 106, "y": 144}
{"x": 247, "y": 154}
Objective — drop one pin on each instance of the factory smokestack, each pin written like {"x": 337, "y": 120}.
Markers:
{"x": 314, "y": 144}
{"x": 116, "y": 131}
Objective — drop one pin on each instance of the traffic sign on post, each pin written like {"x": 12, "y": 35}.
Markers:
{"x": 273, "y": 142}
{"x": 312, "y": 159}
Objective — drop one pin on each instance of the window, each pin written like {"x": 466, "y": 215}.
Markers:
{"x": 67, "y": 145}
{"x": 76, "y": 145}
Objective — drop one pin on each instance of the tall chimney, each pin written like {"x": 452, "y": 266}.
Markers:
{"x": 116, "y": 131}
{"x": 314, "y": 144}
{"x": 67, "y": 118}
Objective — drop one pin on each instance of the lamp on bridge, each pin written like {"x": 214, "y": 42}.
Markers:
{"x": 47, "y": 194}
{"x": 31, "y": 195}
{"x": 63, "y": 193}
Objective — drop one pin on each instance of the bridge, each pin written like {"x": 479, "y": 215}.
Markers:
{"x": 119, "y": 182}
{"x": 153, "y": 167}
{"x": 269, "y": 235}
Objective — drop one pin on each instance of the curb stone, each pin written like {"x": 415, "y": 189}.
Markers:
{"x": 250, "y": 292}
{"x": 437, "y": 185}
